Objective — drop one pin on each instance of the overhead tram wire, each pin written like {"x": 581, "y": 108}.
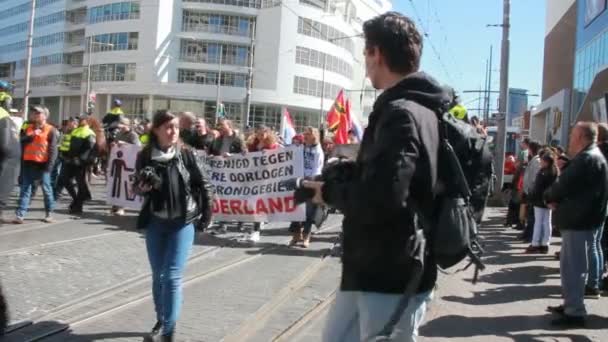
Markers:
{"x": 426, "y": 35}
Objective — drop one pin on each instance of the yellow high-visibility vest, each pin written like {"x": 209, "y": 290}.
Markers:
{"x": 65, "y": 142}
{"x": 459, "y": 112}
{"x": 116, "y": 111}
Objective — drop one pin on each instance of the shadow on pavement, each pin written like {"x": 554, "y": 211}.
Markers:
{"x": 506, "y": 294}
{"x": 63, "y": 333}
{"x": 506, "y": 326}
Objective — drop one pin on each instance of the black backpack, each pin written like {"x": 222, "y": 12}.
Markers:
{"x": 464, "y": 176}
{"x": 464, "y": 180}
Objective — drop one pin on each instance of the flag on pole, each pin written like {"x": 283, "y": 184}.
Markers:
{"x": 337, "y": 120}
{"x": 220, "y": 111}
{"x": 288, "y": 130}
{"x": 355, "y": 125}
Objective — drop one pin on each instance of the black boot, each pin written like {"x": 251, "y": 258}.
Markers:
{"x": 167, "y": 338}
{"x": 156, "y": 328}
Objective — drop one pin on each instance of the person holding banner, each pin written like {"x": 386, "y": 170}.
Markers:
{"x": 263, "y": 139}
{"x": 177, "y": 195}
{"x": 314, "y": 159}
{"x": 227, "y": 143}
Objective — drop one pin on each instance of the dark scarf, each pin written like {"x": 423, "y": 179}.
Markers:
{"x": 168, "y": 197}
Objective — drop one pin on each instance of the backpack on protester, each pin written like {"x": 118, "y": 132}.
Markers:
{"x": 465, "y": 174}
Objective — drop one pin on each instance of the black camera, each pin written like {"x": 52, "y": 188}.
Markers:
{"x": 340, "y": 171}
{"x": 148, "y": 177}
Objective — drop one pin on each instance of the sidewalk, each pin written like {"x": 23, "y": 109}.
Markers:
{"x": 508, "y": 303}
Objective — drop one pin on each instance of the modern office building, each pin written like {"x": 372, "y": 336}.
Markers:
{"x": 549, "y": 121}
{"x": 575, "y": 80}
{"x": 155, "y": 54}
{"x": 517, "y": 104}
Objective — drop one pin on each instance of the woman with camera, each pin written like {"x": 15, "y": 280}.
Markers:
{"x": 177, "y": 196}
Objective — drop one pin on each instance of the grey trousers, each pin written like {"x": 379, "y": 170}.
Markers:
{"x": 8, "y": 180}
{"x": 574, "y": 268}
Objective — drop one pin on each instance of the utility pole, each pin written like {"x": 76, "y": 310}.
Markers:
{"x": 85, "y": 103}
{"x": 322, "y": 90}
{"x": 499, "y": 157}
{"x": 250, "y": 78}
{"x": 28, "y": 63}
{"x": 489, "y": 86}
{"x": 219, "y": 84}
{"x": 485, "y": 95}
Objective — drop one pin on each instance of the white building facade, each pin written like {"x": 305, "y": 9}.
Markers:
{"x": 167, "y": 54}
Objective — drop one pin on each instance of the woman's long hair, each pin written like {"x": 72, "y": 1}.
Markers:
{"x": 551, "y": 159}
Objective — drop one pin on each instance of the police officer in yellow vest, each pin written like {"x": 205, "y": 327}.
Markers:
{"x": 79, "y": 158}
{"x": 10, "y": 158}
{"x": 64, "y": 149}
{"x": 6, "y": 100}
{"x": 459, "y": 111}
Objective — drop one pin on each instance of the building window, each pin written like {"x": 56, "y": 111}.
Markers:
{"x": 198, "y": 51}
{"x": 40, "y": 22}
{"x": 314, "y": 58}
{"x": 315, "y": 29}
{"x": 23, "y": 8}
{"x": 311, "y": 87}
{"x": 193, "y": 21}
{"x": 51, "y": 39}
{"x": 64, "y": 80}
{"x": 119, "y": 72}
{"x": 320, "y": 4}
{"x": 115, "y": 41}
{"x": 240, "y": 3}
{"x": 210, "y": 78}
{"x": 113, "y": 12}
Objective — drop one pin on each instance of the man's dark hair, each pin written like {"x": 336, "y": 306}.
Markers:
{"x": 526, "y": 141}
{"x": 534, "y": 147}
{"x": 397, "y": 39}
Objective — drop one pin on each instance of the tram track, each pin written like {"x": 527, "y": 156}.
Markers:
{"x": 131, "y": 292}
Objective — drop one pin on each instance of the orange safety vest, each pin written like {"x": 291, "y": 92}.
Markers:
{"x": 38, "y": 150}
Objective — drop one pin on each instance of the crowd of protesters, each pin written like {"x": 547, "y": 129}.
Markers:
{"x": 563, "y": 193}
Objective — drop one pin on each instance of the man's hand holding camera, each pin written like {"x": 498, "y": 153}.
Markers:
{"x": 317, "y": 187}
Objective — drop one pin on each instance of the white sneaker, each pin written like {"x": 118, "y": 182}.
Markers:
{"x": 254, "y": 237}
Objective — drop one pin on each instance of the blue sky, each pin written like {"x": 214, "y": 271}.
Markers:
{"x": 457, "y": 29}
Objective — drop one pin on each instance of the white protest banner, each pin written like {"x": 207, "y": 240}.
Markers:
{"x": 120, "y": 167}
{"x": 251, "y": 188}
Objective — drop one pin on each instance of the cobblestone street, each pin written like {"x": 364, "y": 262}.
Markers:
{"x": 88, "y": 280}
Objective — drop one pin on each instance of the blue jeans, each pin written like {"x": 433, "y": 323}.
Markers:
{"x": 359, "y": 316}
{"x": 168, "y": 246}
{"x": 574, "y": 267}
{"x": 29, "y": 177}
{"x": 55, "y": 172}
{"x": 595, "y": 255}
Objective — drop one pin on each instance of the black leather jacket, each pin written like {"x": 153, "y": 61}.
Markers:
{"x": 198, "y": 188}
{"x": 396, "y": 165}
{"x": 581, "y": 191}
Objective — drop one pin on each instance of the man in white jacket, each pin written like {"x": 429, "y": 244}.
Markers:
{"x": 529, "y": 178}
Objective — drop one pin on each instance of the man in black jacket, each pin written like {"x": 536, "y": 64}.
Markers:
{"x": 389, "y": 188}
{"x": 602, "y": 144}
{"x": 580, "y": 195}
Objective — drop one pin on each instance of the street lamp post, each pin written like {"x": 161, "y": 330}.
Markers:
{"x": 89, "y": 63}
{"x": 28, "y": 61}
